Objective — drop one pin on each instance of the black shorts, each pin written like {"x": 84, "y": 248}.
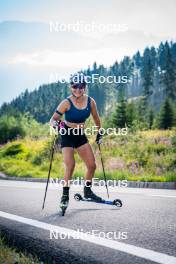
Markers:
{"x": 73, "y": 138}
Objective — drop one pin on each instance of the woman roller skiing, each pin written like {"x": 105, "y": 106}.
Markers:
{"x": 77, "y": 108}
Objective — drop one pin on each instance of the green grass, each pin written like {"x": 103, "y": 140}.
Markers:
{"x": 9, "y": 255}
{"x": 144, "y": 156}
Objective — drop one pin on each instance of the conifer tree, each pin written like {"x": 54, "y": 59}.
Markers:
{"x": 166, "y": 116}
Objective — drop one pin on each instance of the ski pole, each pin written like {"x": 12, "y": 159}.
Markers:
{"x": 50, "y": 166}
{"x": 103, "y": 170}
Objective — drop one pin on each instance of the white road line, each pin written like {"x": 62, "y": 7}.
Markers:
{"x": 167, "y": 196}
{"x": 127, "y": 248}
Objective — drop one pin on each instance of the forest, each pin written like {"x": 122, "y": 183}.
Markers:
{"x": 147, "y": 100}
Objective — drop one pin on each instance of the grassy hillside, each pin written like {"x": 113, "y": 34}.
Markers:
{"x": 146, "y": 156}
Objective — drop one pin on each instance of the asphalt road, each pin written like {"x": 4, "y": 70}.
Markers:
{"x": 142, "y": 231}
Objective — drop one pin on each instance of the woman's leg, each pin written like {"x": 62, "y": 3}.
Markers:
{"x": 69, "y": 163}
{"x": 86, "y": 154}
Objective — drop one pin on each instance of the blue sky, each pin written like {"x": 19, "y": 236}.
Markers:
{"x": 30, "y": 54}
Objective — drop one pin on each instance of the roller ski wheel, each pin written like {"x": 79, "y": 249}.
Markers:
{"x": 117, "y": 202}
{"x": 78, "y": 197}
{"x": 63, "y": 208}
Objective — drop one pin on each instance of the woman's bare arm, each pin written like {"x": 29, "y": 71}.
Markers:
{"x": 62, "y": 108}
{"x": 95, "y": 114}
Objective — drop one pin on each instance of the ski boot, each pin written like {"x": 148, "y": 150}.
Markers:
{"x": 91, "y": 196}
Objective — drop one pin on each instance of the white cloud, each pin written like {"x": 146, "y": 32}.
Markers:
{"x": 80, "y": 59}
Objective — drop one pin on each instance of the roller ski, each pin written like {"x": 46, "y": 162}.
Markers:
{"x": 116, "y": 202}
{"x": 89, "y": 196}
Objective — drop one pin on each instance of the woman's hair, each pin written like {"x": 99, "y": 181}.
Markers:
{"x": 78, "y": 78}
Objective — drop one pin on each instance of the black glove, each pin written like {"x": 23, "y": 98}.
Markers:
{"x": 99, "y": 138}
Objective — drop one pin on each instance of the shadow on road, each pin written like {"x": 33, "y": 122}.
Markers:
{"x": 71, "y": 212}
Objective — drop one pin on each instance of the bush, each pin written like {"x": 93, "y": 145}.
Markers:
{"x": 37, "y": 160}
{"x": 173, "y": 140}
{"x": 19, "y": 126}
{"x": 14, "y": 150}
{"x": 10, "y": 129}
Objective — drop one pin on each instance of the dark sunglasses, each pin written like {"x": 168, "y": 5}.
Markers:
{"x": 78, "y": 86}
